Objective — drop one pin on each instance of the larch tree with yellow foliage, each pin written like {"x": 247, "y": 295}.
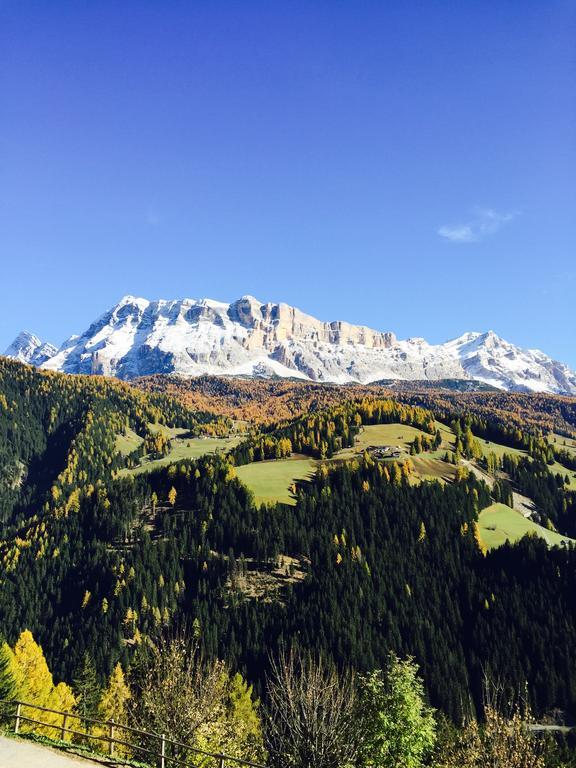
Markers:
{"x": 12, "y": 682}
{"x": 39, "y": 685}
{"x": 31, "y": 662}
{"x": 114, "y": 702}
{"x": 114, "y": 706}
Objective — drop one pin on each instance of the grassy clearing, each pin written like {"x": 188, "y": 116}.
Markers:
{"x": 556, "y": 468}
{"x": 429, "y": 468}
{"x": 270, "y": 481}
{"x": 395, "y": 435}
{"x": 448, "y": 436}
{"x": 183, "y": 448}
{"x": 566, "y": 443}
{"x": 560, "y": 469}
{"x": 500, "y": 450}
{"x": 128, "y": 442}
{"x": 169, "y": 432}
{"x": 400, "y": 435}
{"x": 500, "y": 523}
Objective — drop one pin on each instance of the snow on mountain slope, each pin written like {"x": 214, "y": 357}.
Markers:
{"x": 28, "y": 348}
{"x": 191, "y": 337}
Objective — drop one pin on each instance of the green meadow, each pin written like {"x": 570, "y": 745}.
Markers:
{"x": 270, "y": 481}
{"x": 128, "y": 442}
{"x": 500, "y": 523}
{"x": 184, "y": 448}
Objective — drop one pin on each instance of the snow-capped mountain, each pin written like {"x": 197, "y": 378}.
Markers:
{"x": 191, "y": 337}
{"x": 28, "y": 348}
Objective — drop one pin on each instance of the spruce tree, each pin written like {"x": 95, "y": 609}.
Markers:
{"x": 87, "y": 690}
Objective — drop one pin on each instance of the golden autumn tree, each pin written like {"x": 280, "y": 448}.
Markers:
{"x": 113, "y": 703}
{"x": 113, "y": 706}
{"x": 12, "y": 681}
{"x": 31, "y": 662}
{"x": 39, "y": 684}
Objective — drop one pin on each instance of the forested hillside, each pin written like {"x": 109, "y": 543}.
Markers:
{"x": 376, "y": 551}
{"x": 271, "y": 400}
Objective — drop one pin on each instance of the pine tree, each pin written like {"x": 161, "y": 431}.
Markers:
{"x": 87, "y": 690}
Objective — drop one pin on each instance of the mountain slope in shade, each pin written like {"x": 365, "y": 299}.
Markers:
{"x": 27, "y": 348}
{"x": 192, "y": 337}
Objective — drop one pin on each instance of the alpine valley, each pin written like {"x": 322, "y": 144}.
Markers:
{"x": 191, "y": 337}
{"x": 382, "y": 514}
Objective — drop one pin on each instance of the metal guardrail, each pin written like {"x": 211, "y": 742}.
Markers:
{"x": 111, "y": 727}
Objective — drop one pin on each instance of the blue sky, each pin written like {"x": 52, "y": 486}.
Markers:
{"x": 406, "y": 165}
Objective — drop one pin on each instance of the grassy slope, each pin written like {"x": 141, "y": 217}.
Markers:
{"x": 395, "y": 435}
{"x": 170, "y": 432}
{"x": 500, "y": 450}
{"x": 191, "y": 448}
{"x": 566, "y": 443}
{"x": 428, "y": 465}
{"x": 560, "y": 469}
{"x": 500, "y": 523}
{"x": 128, "y": 442}
{"x": 270, "y": 481}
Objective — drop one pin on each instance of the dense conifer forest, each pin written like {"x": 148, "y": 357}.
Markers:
{"x": 369, "y": 559}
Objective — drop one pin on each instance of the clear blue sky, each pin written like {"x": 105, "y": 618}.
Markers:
{"x": 406, "y": 165}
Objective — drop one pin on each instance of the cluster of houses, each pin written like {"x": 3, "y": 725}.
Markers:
{"x": 384, "y": 451}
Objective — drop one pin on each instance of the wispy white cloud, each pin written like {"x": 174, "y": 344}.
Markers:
{"x": 483, "y": 222}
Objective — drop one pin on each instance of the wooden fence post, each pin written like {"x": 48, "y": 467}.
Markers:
{"x": 17, "y": 721}
{"x": 111, "y": 737}
{"x": 163, "y": 751}
{"x": 64, "y": 722}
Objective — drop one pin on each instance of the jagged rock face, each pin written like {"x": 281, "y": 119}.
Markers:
{"x": 28, "y": 348}
{"x": 138, "y": 337}
{"x": 281, "y": 322}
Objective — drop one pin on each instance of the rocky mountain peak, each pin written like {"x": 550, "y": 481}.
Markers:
{"x": 27, "y": 348}
{"x": 248, "y": 337}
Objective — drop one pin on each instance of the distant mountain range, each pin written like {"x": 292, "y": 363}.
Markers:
{"x": 192, "y": 337}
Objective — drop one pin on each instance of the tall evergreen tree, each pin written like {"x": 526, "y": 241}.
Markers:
{"x": 87, "y": 690}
